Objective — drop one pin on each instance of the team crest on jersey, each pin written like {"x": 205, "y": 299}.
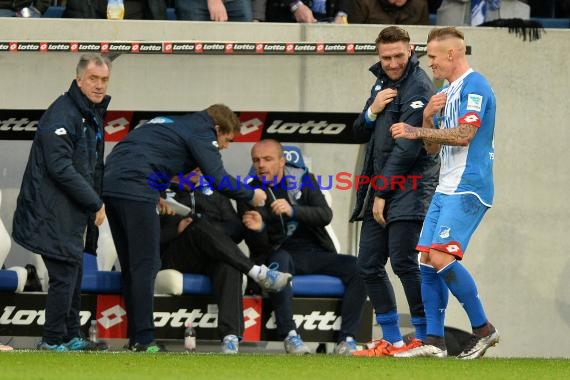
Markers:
{"x": 444, "y": 232}
{"x": 474, "y": 102}
{"x": 471, "y": 118}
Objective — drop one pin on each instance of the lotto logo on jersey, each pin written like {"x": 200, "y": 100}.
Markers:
{"x": 471, "y": 118}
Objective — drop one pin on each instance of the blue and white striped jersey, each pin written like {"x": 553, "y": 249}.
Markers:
{"x": 469, "y": 169}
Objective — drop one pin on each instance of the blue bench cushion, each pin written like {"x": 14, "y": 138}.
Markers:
{"x": 196, "y": 284}
{"x": 8, "y": 280}
{"x": 96, "y": 281}
{"x": 317, "y": 285}
{"x": 103, "y": 282}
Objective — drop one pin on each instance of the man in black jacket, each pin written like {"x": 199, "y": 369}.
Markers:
{"x": 206, "y": 242}
{"x": 402, "y": 181}
{"x": 59, "y": 196}
{"x": 290, "y": 231}
{"x": 136, "y": 170}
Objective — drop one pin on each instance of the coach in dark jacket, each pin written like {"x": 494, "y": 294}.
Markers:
{"x": 392, "y": 210}
{"x": 136, "y": 170}
{"x": 290, "y": 230}
{"x": 59, "y": 195}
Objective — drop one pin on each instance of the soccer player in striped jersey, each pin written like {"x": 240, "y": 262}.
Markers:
{"x": 459, "y": 124}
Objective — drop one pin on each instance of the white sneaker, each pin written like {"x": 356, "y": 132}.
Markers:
{"x": 271, "y": 280}
{"x": 230, "y": 344}
{"x": 425, "y": 350}
{"x": 295, "y": 345}
{"x": 346, "y": 347}
{"x": 4, "y": 348}
{"x": 478, "y": 345}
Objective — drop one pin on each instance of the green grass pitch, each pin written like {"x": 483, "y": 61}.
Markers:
{"x": 141, "y": 366}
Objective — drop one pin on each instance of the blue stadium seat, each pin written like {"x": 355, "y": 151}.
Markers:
{"x": 98, "y": 281}
{"x": 171, "y": 14}
{"x": 317, "y": 285}
{"x": 553, "y": 23}
{"x": 54, "y": 12}
{"x": 198, "y": 284}
{"x": 10, "y": 281}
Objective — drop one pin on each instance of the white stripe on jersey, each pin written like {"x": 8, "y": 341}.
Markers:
{"x": 453, "y": 158}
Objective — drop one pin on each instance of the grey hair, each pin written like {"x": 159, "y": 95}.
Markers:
{"x": 86, "y": 59}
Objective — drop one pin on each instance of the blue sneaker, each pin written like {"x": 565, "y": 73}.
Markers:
{"x": 43, "y": 346}
{"x": 230, "y": 344}
{"x": 295, "y": 345}
{"x": 271, "y": 280}
{"x": 80, "y": 344}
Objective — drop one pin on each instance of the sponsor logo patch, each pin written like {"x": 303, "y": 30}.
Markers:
{"x": 417, "y": 104}
{"x": 474, "y": 102}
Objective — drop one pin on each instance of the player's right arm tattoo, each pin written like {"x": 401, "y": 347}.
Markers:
{"x": 458, "y": 136}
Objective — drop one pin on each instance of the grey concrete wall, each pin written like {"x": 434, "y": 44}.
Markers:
{"x": 517, "y": 256}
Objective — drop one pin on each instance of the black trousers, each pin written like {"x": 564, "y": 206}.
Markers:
{"x": 63, "y": 301}
{"x": 398, "y": 243}
{"x": 135, "y": 227}
{"x": 313, "y": 260}
{"x": 203, "y": 248}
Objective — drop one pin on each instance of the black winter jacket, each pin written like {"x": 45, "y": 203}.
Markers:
{"x": 310, "y": 209}
{"x": 215, "y": 208}
{"x": 402, "y": 157}
{"x": 59, "y": 192}
{"x": 169, "y": 145}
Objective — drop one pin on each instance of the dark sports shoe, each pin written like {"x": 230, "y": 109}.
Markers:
{"x": 151, "y": 348}
{"x": 477, "y": 345}
{"x": 80, "y": 344}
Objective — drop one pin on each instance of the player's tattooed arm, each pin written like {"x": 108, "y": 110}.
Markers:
{"x": 430, "y": 147}
{"x": 458, "y": 136}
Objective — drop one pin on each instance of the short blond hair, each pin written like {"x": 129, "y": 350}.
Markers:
{"x": 444, "y": 33}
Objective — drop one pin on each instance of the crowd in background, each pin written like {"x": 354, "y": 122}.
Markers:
{"x": 401, "y": 12}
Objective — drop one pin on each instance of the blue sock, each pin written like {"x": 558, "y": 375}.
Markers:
{"x": 462, "y": 286}
{"x": 434, "y": 296}
{"x": 420, "y": 326}
{"x": 390, "y": 326}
